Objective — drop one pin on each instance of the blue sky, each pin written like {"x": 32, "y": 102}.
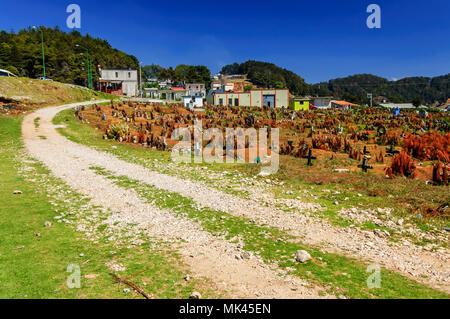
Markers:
{"x": 318, "y": 40}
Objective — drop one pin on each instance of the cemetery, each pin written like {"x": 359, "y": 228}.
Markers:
{"x": 410, "y": 144}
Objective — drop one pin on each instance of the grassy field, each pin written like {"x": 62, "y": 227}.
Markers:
{"x": 34, "y": 259}
{"x": 28, "y": 93}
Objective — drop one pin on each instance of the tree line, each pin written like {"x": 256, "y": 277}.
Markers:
{"x": 66, "y": 62}
{"x": 21, "y": 53}
{"x": 353, "y": 89}
{"x": 182, "y": 74}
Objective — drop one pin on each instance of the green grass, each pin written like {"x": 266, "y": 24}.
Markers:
{"x": 34, "y": 266}
{"x": 275, "y": 246}
{"x": 36, "y": 122}
{"x": 32, "y": 93}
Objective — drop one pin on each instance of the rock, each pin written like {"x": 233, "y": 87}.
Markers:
{"x": 195, "y": 295}
{"x": 47, "y": 224}
{"x": 38, "y": 235}
{"x": 302, "y": 256}
{"x": 17, "y": 192}
{"x": 246, "y": 255}
{"x": 400, "y": 222}
{"x": 336, "y": 203}
{"x": 126, "y": 290}
{"x": 381, "y": 233}
{"x": 341, "y": 170}
{"x": 187, "y": 278}
{"x": 81, "y": 255}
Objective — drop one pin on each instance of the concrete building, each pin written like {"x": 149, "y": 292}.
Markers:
{"x": 300, "y": 103}
{"x": 322, "y": 102}
{"x": 257, "y": 97}
{"x": 152, "y": 93}
{"x": 195, "y": 89}
{"x": 191, "y": 101}
{"x": 174, "y": 94}
{"x": 307, "y": 102}
{"x": 235, "y": 83}
{"x": 119, "y": 81}
{"x": 400, "y": 105}
{"x": 446, "y": 106}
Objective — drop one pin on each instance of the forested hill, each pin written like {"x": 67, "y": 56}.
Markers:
{"x": 352, "y": 88}
{"x": 356, "y": 87}
{"x": 21, "y": 54}
{"x": 269, "y": 75}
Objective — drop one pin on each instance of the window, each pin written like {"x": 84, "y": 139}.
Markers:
{"x": 236, "y": 102}
{"x": 129, "y": 75}
{"x": 220, "y": 101}
{"x": 230, "y": 101}
{"x": 117, "y": 74}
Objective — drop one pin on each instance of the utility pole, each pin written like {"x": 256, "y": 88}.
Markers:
{"x": 43, "y": 52}
{"x": 140, "y": 79}
{"x": 370, "y": 95}
{"x": 89, "y": 70}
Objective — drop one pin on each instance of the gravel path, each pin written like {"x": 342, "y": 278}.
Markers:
{"x": 208, "y": 256}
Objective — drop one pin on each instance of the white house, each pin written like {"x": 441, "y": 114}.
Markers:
{"x": 322, "y": 102}
{"x": 152, "y": 93}
{"x": 191, "y": 101}
{"x": 195, "y": 89}
{"x": 119, "y": 81}
{"x": 400, "y": 105}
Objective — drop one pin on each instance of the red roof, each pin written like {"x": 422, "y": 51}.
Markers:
{"x": 177, "y": 89}
{"x": 343, "y": 103}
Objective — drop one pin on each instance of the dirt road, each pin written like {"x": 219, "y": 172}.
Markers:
{"x": 207, "y": 255}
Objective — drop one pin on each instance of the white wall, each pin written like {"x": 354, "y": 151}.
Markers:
{"x": 119, "y": 75}
{"x": 129, "y": 88}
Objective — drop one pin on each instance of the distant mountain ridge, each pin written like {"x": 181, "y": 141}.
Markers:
{"x": 21, "y": 54}
{"x": 353, "y": 88}
{"x": 429, "y": 90}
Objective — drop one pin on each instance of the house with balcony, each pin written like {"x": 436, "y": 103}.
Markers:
{"x": 119, "y": 82}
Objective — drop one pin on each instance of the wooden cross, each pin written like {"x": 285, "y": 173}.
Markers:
{"x": 365, "y": 152}
{"x": 310, "y": 157}
{"x": 391, "y": 151}
{"x": 364, "y": 165}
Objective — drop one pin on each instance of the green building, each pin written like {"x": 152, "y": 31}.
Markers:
{"x": 300, "y": 104}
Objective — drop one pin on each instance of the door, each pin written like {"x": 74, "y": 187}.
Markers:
{"x": 269, "y": 100}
